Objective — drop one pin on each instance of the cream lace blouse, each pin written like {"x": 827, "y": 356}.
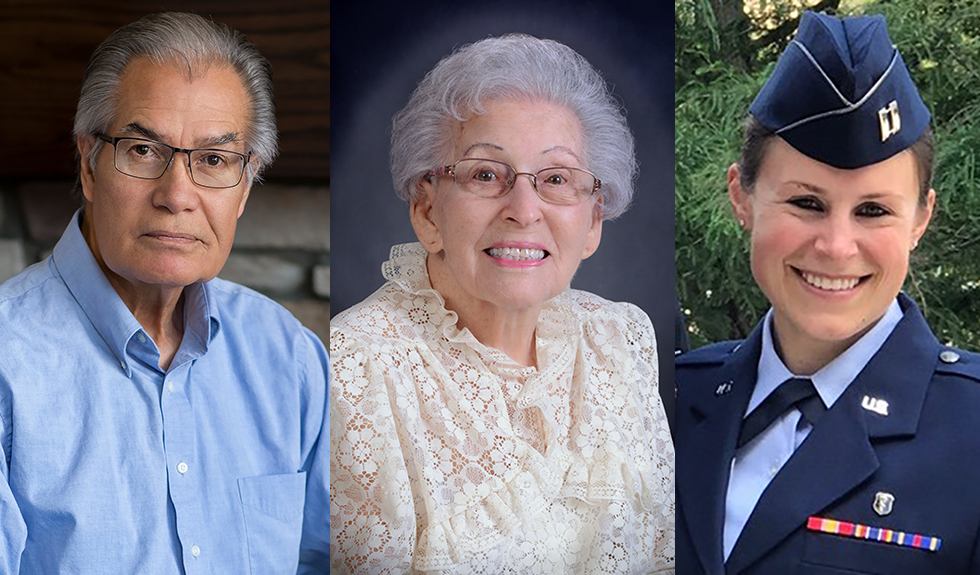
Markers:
{"x": 449, "y": 457}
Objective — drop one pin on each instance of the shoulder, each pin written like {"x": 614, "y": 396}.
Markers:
{"x": 258, "y": 318}
{"x": 708, "y": 356}
{"x": 230, "y": 297}
{"x": 393, "y": 314}
{"x": 958, "y": 363}
{"x": 36, "y": 301}
{"x": 598, "y": 311}
{"x": 27, "y": 283}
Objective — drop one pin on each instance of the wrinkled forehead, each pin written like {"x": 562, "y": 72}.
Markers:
{"x": 503, "y": 123}
{"x": 179, "y": 101}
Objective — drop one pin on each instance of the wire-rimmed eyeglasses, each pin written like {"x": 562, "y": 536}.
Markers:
{"x": 493, "y": 179}
{"x": 149, "y": 160}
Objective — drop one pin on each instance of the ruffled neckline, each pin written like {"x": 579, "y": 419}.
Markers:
{"x": 406, "y": 267}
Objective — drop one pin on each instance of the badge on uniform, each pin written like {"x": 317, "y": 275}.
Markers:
{"x": 880, "y": 534}
{"x": 889, "y": 120}
{"x": 879, "y": 406}
{"x": 883, "y": 503}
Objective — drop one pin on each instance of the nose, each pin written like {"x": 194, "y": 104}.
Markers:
{"x": 523, "y": 205}
{"x": 837, "y": 237}
{"x": 175, "y": 190}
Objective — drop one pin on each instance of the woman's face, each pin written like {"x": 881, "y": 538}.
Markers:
{"x": 830, "y": 247}
{"x": 468, "y": 236}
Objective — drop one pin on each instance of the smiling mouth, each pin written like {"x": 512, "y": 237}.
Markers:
{"x": 517, "y": 254}
{"x": 826, "y": 283}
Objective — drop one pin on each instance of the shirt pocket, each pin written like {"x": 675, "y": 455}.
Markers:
{"x": 273, "y": 511}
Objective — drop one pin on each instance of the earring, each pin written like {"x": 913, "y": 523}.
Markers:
{"x": 741, "y": 223}
{"x": 915, "y": 244}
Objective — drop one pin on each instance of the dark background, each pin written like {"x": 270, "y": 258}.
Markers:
{"x": 44, "y": 47}
{"x": 381, "y": 50}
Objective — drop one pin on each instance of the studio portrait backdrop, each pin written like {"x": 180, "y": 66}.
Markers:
{"x": 381, "y": 51}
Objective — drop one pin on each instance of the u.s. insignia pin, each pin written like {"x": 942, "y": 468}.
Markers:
{"x": 883, "y": 503}
{"x": 889, "y": 121}
{"x": 723, "y": 388}
{"x": 879, "y": 406}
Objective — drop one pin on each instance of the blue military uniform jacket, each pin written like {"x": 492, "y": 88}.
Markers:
{"x": 925, "y": 453}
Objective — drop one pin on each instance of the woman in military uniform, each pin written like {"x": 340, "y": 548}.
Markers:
{"x": 840, "y": 436}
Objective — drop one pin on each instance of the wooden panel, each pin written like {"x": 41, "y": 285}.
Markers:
{"x": 44, "y": 47}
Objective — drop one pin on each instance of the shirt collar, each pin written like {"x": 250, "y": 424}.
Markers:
{"x": 109, "y": 315}
{"x": 832, "y": 379}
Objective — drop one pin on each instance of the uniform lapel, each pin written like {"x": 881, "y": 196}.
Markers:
{"x": 839, "y": 453}
{"x": 810, "y": 481}
{"x": 706, "y": 449}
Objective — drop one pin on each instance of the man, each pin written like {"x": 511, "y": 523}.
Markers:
{"x": 154, "y": 419}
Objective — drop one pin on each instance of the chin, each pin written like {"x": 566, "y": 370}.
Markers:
{"x": 834, "y": 330}
{"x": 172, "y": 275}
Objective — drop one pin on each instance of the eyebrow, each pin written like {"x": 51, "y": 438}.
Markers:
{"x": 482, "y": 145}
{"x": 565, "y": 150}
{"x": 208, "y": 142}
{"x": 548, "y": 151}
{"x": 818, "y": 190}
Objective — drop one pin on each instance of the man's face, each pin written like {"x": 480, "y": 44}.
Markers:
{"x": 169, "y": 231}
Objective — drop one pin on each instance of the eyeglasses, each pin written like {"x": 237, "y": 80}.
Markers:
{"x": 149, "y": 160}
{"x": 493, "y": 179}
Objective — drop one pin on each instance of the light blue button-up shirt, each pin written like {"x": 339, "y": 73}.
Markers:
{"x": 757, "y": 462}
{"x": 112, "y": 465}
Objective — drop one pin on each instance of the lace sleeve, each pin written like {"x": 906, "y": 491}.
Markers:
{"x": 372, "y": 515}
{"x": 655, "y": 421}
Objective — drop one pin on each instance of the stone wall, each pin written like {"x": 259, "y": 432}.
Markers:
{"x": 282, "y": 246}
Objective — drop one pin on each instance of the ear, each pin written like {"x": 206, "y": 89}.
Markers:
{"x": 739, "y": 198}
{"x": 85, "y": 173}
{"x": 595, "y": 229}
{"x": 922, "y": 217}
{"x": 423, "y": 218}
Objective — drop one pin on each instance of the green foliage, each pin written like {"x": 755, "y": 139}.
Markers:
{"x": 718, "y": 70}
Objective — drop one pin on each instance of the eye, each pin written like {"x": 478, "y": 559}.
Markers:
{"x": 555, "y": 179}
{"x": 808, "y": 203}
{"x": 485, "y": 175}
{"x": 213, "y": 160}
{"x": 872, "y": 210}
{"x": 141, "y": 151}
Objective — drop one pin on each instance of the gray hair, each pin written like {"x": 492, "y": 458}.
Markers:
{"x": 514, "y": 66}
{"x": 183, "y": 40}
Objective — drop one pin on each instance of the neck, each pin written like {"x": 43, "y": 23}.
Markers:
{"x": 509, "y": 330}
{"x": 158, "y": 308}
{"x": 805, "y": 355}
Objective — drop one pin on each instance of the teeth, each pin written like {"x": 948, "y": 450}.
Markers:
{"x": 516, "y": 254}
{"x": 829, "y": 284}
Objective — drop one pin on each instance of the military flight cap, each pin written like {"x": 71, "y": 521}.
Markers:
{"x": 841, "y": 94}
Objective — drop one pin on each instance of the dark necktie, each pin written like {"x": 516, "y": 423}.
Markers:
{"x": 795, "y": 392}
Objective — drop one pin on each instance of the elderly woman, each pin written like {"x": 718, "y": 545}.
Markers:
{"x": 485, "y": 417}
{"x": 841, "y": 436}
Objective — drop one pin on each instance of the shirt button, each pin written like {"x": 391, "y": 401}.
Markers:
{"x": 195, "y": 550}
{"x": 141, "y": 337}
{"x": 122, "y": 364}
{"x": 773, "y": 470}
{"x": 170, "y": 386}
{"x": 182, "y": 467}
